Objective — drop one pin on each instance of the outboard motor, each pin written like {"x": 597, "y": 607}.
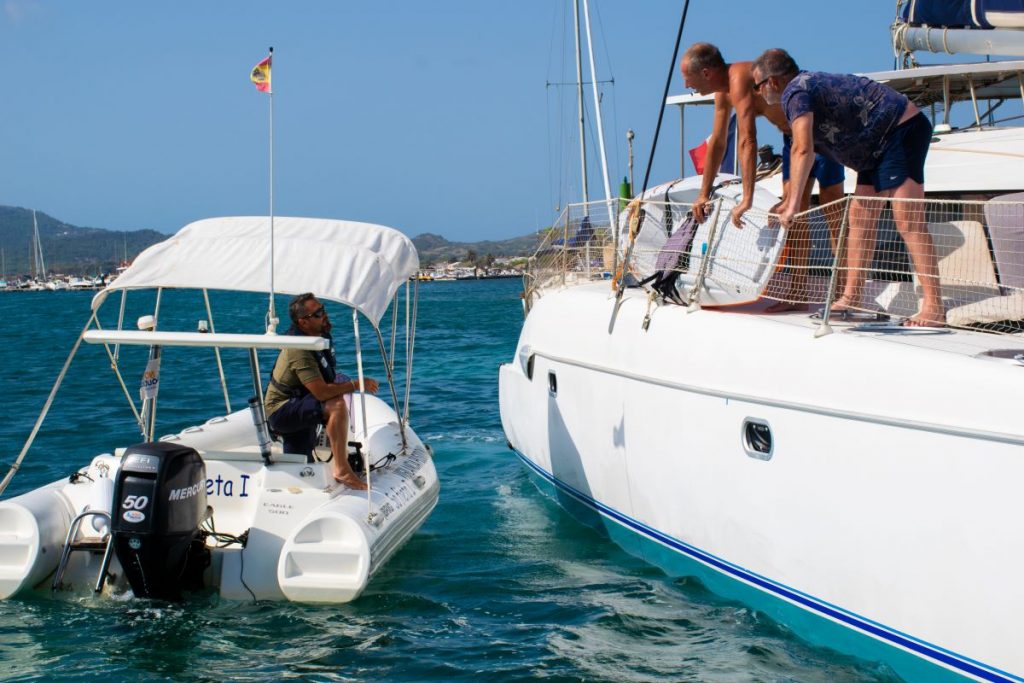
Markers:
{"x": 159, "y": 503}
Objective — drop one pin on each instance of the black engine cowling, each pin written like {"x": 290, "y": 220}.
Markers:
{"x": 159, "y": 503}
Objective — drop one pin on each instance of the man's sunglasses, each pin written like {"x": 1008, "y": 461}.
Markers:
{"x": 318, "y": 313}
{"x": 757, "y": 86}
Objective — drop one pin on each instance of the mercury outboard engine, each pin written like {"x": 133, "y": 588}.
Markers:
{"x": 159, "y": 503}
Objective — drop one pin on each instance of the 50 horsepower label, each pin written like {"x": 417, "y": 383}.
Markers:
{"x": 133, "y": 506}
{"x": 136, "y": 502}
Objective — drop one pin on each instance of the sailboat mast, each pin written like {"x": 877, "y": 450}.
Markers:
{"x": 597, "y": 112}
{"x": 579, "y": 99}
{"x": 40, "y": 263}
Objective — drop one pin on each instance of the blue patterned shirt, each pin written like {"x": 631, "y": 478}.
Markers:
{"x": 853, "y": 115}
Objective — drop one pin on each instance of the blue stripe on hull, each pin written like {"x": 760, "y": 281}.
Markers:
{"x": 814, "y": 620}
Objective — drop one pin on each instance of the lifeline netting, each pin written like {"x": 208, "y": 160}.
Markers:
{"x": 959, "y": 263}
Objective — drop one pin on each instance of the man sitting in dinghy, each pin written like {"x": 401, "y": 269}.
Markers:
{"x": 705, "y": 71}
{"x": 305, "y": 392}
{"x": 883, "y": 136}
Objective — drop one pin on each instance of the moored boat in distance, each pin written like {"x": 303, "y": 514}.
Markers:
{"x": 852, "y": 478}
{"x": 220, "y": 505}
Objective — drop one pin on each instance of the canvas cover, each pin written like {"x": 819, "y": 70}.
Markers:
{"x": 965, "y": 13}
{"x": 358, "y": 264}
{"x": 1005, "y": 217}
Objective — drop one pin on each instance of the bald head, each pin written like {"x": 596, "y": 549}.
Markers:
{"x": 702, "y": 56}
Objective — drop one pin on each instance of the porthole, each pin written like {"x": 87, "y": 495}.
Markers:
{"x": 758, "y": 441}
{"x": 552, "y": 384}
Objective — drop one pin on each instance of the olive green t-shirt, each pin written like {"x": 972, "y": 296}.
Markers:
{"x": 294, "y": 367}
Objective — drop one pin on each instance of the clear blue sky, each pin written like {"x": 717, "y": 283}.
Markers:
{"x": 426, "y": 116}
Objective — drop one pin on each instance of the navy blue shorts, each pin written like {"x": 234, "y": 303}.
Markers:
{"x": 827, "y": 171}
{"x": 296, "y": 422}
{"x": 902, "y": 156}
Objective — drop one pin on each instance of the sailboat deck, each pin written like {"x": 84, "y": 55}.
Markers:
{"x": 962, "y": 342}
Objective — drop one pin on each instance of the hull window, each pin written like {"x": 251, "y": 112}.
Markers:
{"x": 552, "y": 384}
{"x": 757, "y": 439}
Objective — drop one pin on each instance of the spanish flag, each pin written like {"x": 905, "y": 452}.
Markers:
{"x": 261, "y": 75}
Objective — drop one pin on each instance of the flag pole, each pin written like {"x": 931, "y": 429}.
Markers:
{"x": 271, "y": 313}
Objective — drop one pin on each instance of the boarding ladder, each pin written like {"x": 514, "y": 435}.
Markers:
{"x": 104, "y": 544}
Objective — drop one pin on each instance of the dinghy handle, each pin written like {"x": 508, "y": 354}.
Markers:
{"x": 70, "y": 546}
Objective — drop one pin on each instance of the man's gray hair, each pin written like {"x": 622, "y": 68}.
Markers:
{"x": 775, "y": 62}
{"x": 703, "y": 56}
{"x": 297, "y": 306}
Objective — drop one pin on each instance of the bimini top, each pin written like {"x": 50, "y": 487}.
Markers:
{"x": 358, "y": 264}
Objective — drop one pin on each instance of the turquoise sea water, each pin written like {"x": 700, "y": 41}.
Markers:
{"x": 499, "y": 584}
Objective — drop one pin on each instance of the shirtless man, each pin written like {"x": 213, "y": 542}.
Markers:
{"x": 705, "y": 71}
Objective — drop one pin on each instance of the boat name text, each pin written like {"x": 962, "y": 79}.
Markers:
{"x": 226, "y": 487}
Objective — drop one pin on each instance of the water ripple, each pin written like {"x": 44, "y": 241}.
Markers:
{"x": 499, "y": 584}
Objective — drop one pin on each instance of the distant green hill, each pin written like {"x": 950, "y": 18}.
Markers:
{"x": 435, "y": 249}
{"x": 67, "y": 248}
{"x": 74, "y": 250}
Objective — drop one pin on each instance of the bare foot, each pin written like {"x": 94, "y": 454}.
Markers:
{"x": 927, "y": 318}
{"x": 351, "y": 481}
{"x": 842, "y": 304}
{"x": 784, "y": 306}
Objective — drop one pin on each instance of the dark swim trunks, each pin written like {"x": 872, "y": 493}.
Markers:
{"x": 903, "y": 155}
{"x": 827, "y": 171}
{"x": 296, "y": 421}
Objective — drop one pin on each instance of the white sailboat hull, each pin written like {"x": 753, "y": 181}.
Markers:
{"x": 884, "y": 521}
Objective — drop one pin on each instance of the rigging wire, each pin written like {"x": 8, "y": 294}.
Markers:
{"x": 547, "y": 119}
{"x": 664, "y": 96}
{"x": 588, "y": 123}
{"x": 547, "y": 112}
{"x": 566, "y": 185}
{"x": 410, "y": 347}
{"x": 615, "y": 126}
{"x": 620, "y": 280}
{"x": 566, "y": 105}
{"x": 611, "y": 79}
{"x": 574, "y": 84}
{"x": 563, "y": 170}
{"x": 16, "y": 465}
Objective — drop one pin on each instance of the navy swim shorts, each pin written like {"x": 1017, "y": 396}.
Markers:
{"x": 296, "y": 422}
{"x": 903, "y": 155}
{"x": 827, "y": 171}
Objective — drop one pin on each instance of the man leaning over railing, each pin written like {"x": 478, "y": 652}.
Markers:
{"x": 877, "y": 132}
